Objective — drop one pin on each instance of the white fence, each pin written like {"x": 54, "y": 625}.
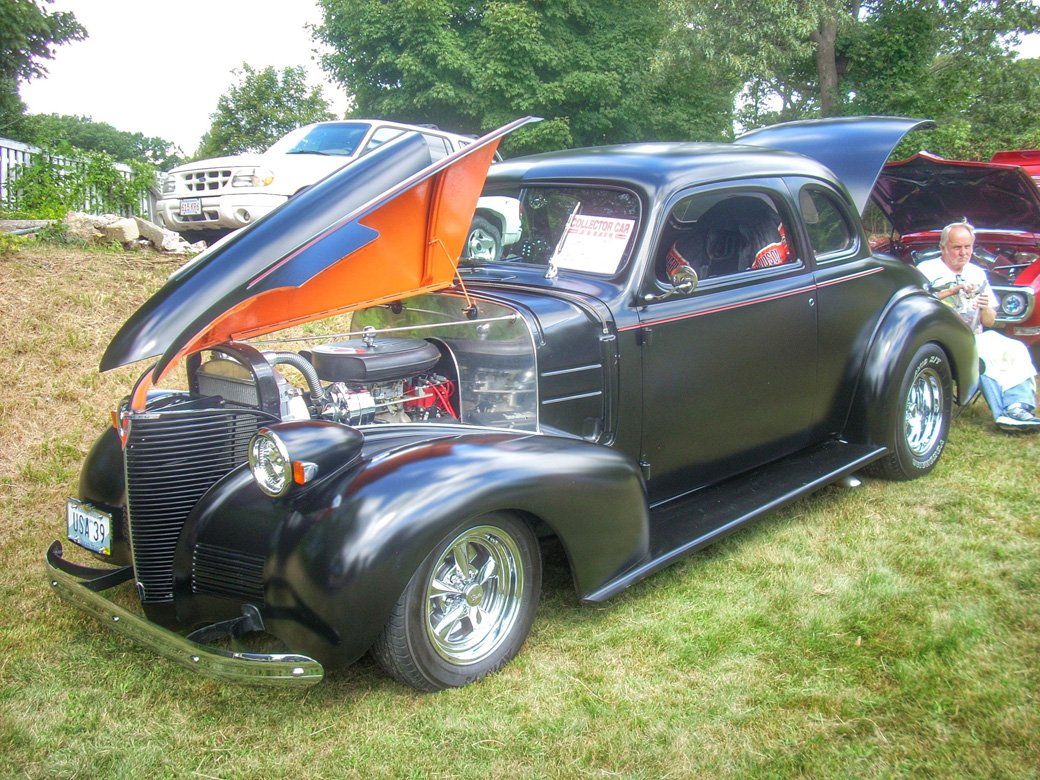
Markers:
{"x": 15, "y": 154}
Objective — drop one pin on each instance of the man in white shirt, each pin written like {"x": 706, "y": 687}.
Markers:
{"x": 1008, "y": 373}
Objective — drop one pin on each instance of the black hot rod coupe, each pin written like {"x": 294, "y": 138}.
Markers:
{"x": 684, "y": 337}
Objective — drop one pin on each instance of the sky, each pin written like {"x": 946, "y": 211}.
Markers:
{"x": 158, "y": 68}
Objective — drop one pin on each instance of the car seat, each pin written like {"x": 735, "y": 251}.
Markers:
{"x": 735, "y": 229}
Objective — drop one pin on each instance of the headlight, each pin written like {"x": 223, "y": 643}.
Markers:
{"x": 270, "y": 464}
{"x": 169, "y": 184}
{"x": 296, "y": 453}
{"x": 252, "y": 177}
{"x": 1013, "y": 305}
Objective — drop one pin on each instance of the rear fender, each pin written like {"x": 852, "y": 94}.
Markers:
{"x": 913, "y": 320}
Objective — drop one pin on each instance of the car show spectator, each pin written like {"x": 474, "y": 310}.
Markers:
{"x": 1008, "y": 373}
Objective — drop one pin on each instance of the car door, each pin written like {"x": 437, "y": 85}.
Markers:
{"x": 852, "y": 292}
{"x": 728, "y": 370}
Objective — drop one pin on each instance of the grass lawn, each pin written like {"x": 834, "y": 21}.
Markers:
{"x": 888, "y": 631}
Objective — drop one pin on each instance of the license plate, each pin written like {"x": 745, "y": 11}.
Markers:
{"x": 191, "y": 207}
{"x": 89, "y": 527}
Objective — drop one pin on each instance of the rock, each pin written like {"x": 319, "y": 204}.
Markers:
{"x": 81, "y": 226}
{"x": 98, "y": 228}
{"x": 22, "y": 226}
{"x": 151, "y": 231}
{"x": 122, "y": 230}
{"x": 162, "y": 239}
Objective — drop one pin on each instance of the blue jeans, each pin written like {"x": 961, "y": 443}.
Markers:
{"x": 999, "y": 399}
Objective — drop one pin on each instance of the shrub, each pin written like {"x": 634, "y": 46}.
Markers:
{"x": 52, "y": 184}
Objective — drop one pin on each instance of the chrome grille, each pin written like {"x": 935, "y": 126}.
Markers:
{"x": 225, "y": 572}
{"x": 207, "y": 181}
{"x": 172, "y": 459}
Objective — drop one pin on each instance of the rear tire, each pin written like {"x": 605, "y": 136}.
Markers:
{"x": 916, "y": 419}
{"x": 468, "y": 608}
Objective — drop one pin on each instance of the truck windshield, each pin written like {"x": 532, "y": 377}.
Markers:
{"x": 338, "y": 138}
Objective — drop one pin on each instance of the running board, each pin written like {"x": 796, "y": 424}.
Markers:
{"x": 680, "y": 527}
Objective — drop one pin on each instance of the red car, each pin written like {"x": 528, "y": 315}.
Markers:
{"x": 921, "y": 194}
{"x": 1027, "y": 159}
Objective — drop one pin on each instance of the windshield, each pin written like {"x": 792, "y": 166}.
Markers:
{"x": 587, "y": 229}
{"x": 336, "y": 138}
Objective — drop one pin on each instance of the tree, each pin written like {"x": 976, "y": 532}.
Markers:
{"x": 1004, "y": 110}
{"x": 595, "y": 70}
{"x": 950, "y": 62}
{"x": 52, "y": 130}
{"x": 28, "y": 34}
{"x": 260, "y": 108}
{"x": 837, "y": 57}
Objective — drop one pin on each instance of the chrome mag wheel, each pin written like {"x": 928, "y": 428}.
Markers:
{"x": 474, "y": 595}
{"x": 468, "y": 607}
{"x": 925, "y": 412}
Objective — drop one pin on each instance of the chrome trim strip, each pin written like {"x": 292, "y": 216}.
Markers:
{"x": 576, "y": 369}
{"x": 278, "y": 669}
{"x": 578, "y": 397}
{"x": 851, "y": 277}
{"x": 724, "y": 307}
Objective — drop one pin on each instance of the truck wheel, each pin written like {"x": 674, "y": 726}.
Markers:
{"x": 484, "y": 241}
{"x": 468, "y": 608}
{"x": 917, "y": 419}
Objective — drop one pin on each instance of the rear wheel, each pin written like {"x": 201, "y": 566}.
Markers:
{"x": 468, "y": 608}
{"x": 917, "y": 418}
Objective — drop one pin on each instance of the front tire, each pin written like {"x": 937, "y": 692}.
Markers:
{"x": 917, "y": 418}
{"x": 484, "y": 241}
{"x": 468, "y": 608}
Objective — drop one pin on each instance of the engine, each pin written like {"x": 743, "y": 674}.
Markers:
{"x": 355, "y": 382}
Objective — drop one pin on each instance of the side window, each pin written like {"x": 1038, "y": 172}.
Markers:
{"x": 719, "y": 235}
{"x": 438, "y": 147}
{"x": 829, "y": 231}
{"x": 381, "y": 136}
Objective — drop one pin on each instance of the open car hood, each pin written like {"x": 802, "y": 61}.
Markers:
{"x": 388, "y": 226}
{"x": 854, "y": 148}
{"x": 925, "y": 192}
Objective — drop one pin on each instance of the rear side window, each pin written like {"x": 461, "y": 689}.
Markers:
{"x": 829, "y": 230}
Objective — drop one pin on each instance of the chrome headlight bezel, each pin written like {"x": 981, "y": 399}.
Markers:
{"x": 1017, "y": 303}
{"x": 1014, "y": 305}
{"x": 270, "y": 463}
{"x": 289, "y": 456}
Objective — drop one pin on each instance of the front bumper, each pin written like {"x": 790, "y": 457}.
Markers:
{"x": 228, "y": 211}
{"x": 81, "y": 586}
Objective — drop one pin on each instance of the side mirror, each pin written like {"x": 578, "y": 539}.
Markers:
{"x": 684, "y": 282}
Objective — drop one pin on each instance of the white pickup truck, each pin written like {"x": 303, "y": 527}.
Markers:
{"x": 209, "y": 197}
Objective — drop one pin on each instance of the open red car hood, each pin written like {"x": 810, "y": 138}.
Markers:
{"x": 925, "y": 192}
{"x": 385, "y": 227}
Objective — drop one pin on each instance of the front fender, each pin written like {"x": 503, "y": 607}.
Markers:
{"x": 912, "y": 321}
{"x": 341, "y": 554}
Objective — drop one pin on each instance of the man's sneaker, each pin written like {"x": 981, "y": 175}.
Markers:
{"x": 1017, "y": 418}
